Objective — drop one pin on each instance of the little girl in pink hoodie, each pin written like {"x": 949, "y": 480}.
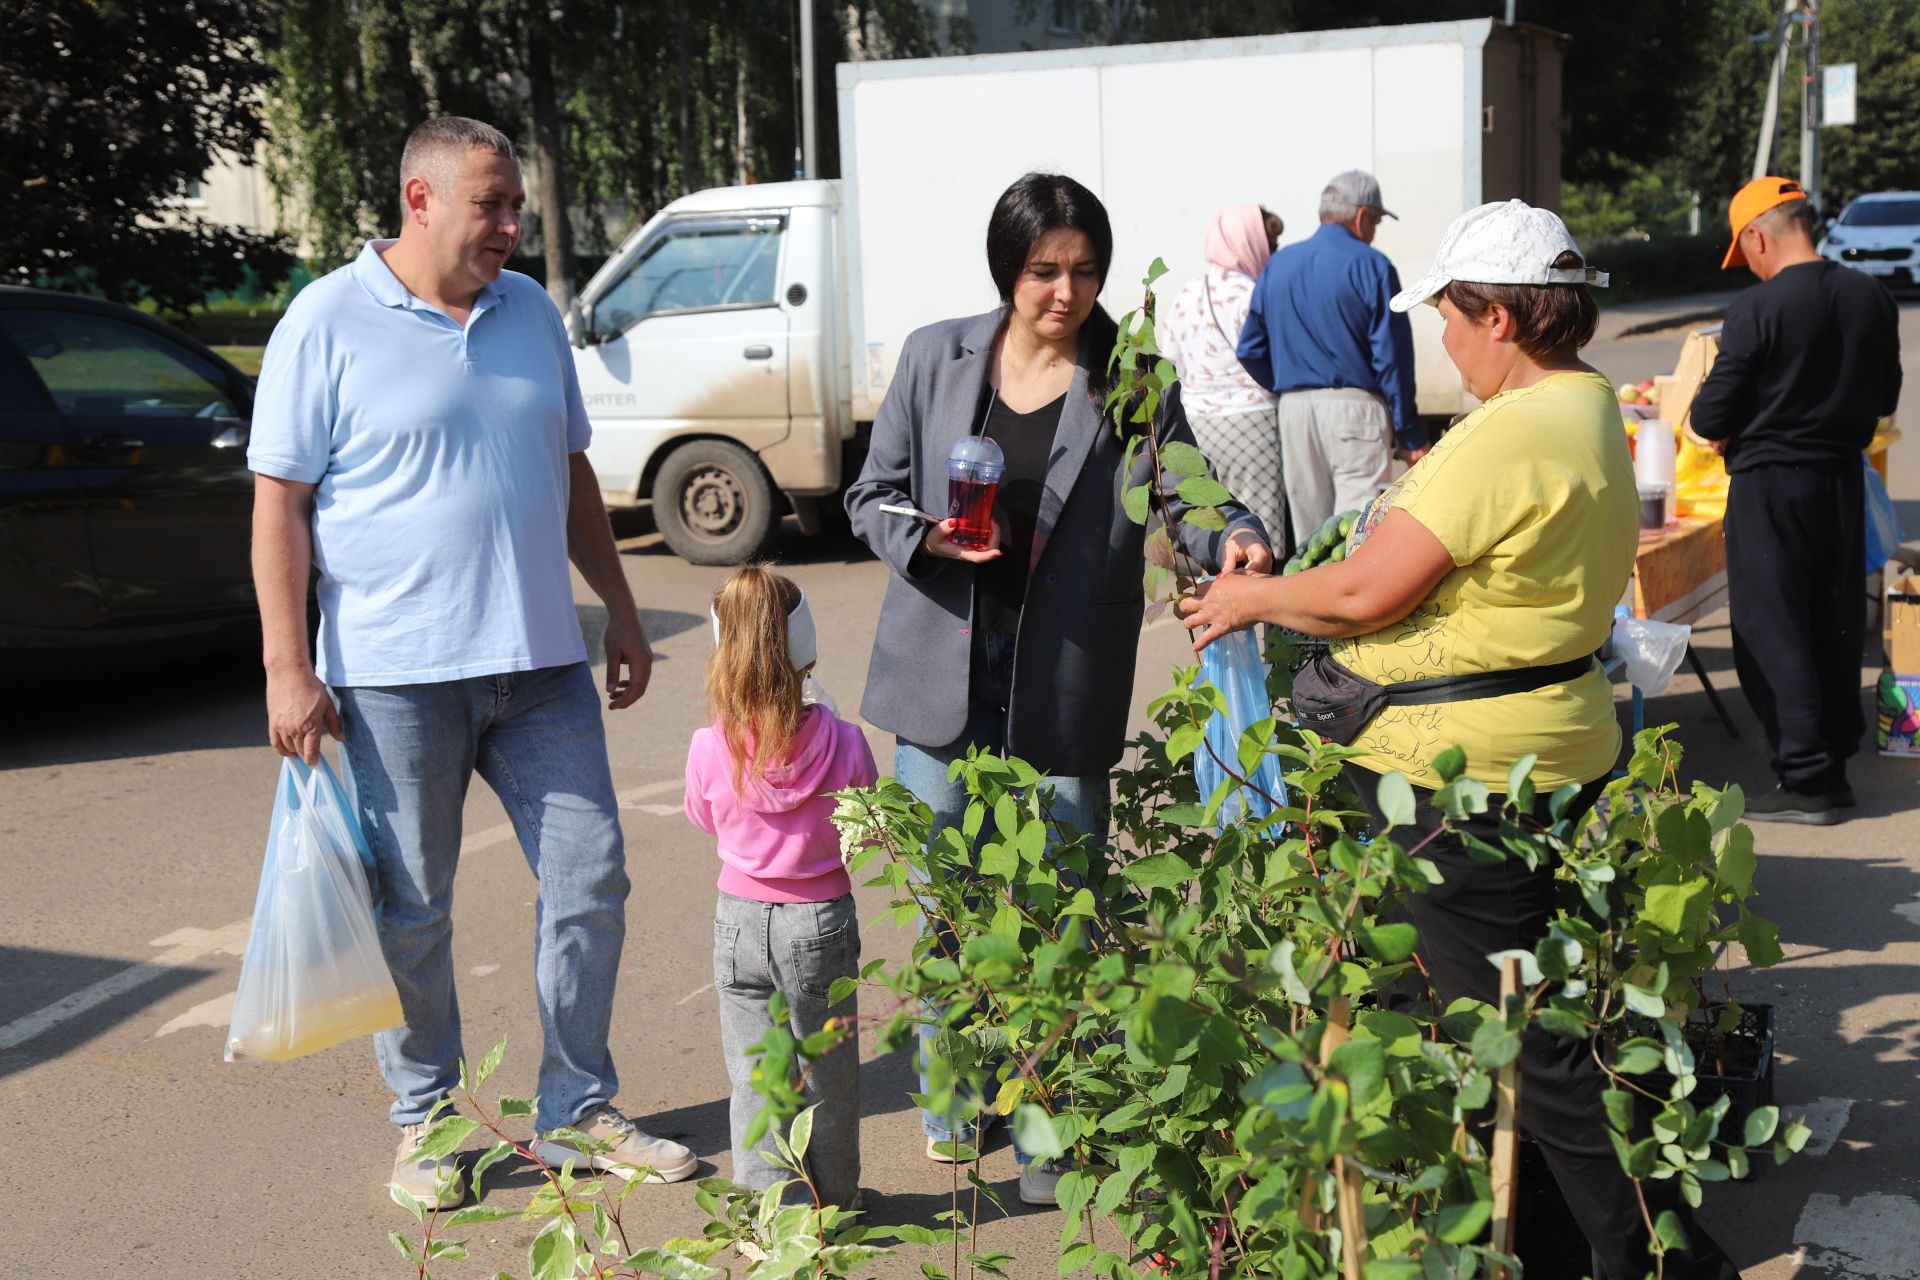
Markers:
{"x": 760, "y": 779}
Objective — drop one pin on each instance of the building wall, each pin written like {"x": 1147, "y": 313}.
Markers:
{"x": 239, "y": 195}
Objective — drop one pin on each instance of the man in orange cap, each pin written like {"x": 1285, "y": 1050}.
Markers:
{"x": 1809, "y": 362}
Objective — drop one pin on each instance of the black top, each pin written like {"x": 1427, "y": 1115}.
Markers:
{"x": 1808, "y": 362}
{"x": 1027, "y": 441}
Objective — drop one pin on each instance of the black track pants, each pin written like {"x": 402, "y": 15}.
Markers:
{"x": 1796, "y": 551}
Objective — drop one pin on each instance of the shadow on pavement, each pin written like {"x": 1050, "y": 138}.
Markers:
{"x": 122, "y": 709}
{"x": 833, "y": 545}
{"x": 37, "y": 981}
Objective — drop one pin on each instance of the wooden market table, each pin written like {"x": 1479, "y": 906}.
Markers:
{"x": 1680, "y": 572}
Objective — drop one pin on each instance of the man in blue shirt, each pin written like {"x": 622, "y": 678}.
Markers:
{"x": 418, "y": 438}
{"x": 1320, "y": 334}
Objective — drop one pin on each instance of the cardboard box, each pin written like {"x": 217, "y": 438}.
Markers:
{"x": 1896, "y": 705}
{"x": 1900, "y": 620}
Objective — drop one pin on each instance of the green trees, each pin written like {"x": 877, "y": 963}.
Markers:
{"x": 108, "y": 109}
{"x": 617, "y": 106}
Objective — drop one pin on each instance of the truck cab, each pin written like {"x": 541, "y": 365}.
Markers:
{"x": 707, "y": 353}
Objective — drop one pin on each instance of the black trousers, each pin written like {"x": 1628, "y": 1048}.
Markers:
{"x": 1484, "y": 907}
{"x": 1796, "y": 552}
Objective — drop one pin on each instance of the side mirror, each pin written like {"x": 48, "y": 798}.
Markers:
{"x": 580, "y": 322}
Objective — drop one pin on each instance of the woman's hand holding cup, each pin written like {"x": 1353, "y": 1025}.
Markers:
{"x": 940, "y": 543}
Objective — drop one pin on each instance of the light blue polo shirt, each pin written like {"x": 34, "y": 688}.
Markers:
{"x": 439, "y": 456}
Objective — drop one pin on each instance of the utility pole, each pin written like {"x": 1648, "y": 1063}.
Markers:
{"x": 1770, "y": 118}
{"x": 1810, "y": 108}
{"x": 809, "y": 133}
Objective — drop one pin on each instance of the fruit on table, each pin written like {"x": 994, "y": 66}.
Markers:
{"x": 1326, "y": 545}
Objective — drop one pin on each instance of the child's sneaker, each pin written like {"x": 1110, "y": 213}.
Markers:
{"x": 438, "y": 1183}
{"x": 954, "y": 1150}
{"x": 669, "y": 1161}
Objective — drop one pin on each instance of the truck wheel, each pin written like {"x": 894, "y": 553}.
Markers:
{"x": 713, "y": 503}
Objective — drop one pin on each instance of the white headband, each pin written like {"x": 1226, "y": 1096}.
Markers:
{"x": 803, "y": 648}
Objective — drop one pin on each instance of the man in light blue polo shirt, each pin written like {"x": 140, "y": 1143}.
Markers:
{"x": 419, "y": 437}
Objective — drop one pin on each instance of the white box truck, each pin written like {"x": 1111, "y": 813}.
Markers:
{"x": 734, "y": 348}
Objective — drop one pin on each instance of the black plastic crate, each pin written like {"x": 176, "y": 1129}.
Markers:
{"x": 1750, "y": 1086}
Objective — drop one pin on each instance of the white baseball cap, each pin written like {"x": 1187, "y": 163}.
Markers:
{"x": 1506, "y": 242}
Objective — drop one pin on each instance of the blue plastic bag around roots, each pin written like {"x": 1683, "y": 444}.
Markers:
{"x": 1883, "y": 523}
{"x": 314, "y": 974}
{"x": 1232, "y": 664}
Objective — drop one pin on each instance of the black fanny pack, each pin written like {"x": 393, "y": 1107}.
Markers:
{"x": 1337, "y": 704}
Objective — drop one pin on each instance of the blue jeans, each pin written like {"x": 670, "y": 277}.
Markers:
{"x": 1078, "y": 802}
{"x": 409, "y": 752}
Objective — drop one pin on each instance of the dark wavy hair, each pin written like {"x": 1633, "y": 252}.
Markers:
{"x": 1034, "y": 205}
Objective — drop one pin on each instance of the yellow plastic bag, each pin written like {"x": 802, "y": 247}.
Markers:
{"x": 1699, "y": 482}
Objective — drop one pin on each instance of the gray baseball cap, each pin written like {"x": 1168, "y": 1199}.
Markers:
{"x": 1358, "y": 188}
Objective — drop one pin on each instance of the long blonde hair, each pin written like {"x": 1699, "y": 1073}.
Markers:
{"x": 753, "y": 692}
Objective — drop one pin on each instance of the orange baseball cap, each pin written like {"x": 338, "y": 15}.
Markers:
{"x": 1749, "y": 203}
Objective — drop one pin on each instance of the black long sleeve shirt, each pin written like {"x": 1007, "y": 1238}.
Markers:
{"x": 1808, "y": 362}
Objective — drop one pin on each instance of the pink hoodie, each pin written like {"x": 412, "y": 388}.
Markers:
{"x": 777, "y": 843}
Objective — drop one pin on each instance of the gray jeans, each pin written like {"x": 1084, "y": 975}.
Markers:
{"x": 797, "y": 949}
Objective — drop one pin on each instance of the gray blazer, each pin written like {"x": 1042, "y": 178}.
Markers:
{"x": 1080, "y": 626}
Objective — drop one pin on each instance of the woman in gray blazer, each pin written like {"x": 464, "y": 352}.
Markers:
{"x": 1026, "y": 646}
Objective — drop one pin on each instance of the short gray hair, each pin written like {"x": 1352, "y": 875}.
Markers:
{"x": 1792, "y": 216}
{"x": 433, "y": 145}
{"x": 1334, "y": 209}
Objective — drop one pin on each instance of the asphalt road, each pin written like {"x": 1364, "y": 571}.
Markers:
{"x": 133, "y": 805}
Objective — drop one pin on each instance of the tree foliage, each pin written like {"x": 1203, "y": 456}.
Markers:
{"x": 108, "y": 108}
{"x": 652, "y": 99}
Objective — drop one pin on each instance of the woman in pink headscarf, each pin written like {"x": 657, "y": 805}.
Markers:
{"x": 1234, "y": 418}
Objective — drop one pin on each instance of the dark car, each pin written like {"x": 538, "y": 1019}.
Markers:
{"x": 124, "y": 492}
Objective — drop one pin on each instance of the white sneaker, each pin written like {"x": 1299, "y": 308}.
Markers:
{"x": 437, "y": 1182}
{"x": 1039, "y": 1180}
{"x": 941, "y": 1150}
{"x": 669, "y": 1161}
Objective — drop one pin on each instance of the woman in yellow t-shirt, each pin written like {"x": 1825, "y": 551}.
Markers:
{"x": 1505, "y": 549}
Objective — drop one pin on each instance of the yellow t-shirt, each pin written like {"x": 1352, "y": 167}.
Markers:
{"x": 1533, "y": 496}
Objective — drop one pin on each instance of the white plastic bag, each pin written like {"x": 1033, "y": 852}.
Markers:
{"x": 1652, "y": 651}
{"x": 313, "y": 975}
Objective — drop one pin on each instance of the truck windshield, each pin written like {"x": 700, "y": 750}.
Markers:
{"x": 695, "y": 267}
{"x": 1882, "y": 213}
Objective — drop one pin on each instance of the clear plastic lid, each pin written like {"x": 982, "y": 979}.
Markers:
{"x": 977, "y": 456}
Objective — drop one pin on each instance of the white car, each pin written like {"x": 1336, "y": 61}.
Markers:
{"x": 1880, "y": 235}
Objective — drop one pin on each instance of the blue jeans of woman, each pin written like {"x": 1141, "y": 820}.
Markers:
{"x": 1078, "y": 802}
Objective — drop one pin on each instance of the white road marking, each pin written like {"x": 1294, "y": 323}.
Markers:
{"x": 482, "y": 970}
{"x": 184, "y": 946}
{"x": 1874, "y": 1237}
{"x": 697, "y": 991}
{"x": 631, "y": 799}
{"x": 659, "y": 810}
{"x": 1826, "y": 1117}
{"x": 217, "y": 1012}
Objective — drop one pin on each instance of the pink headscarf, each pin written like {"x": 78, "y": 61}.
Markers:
{"x": 1237, "y": 240}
